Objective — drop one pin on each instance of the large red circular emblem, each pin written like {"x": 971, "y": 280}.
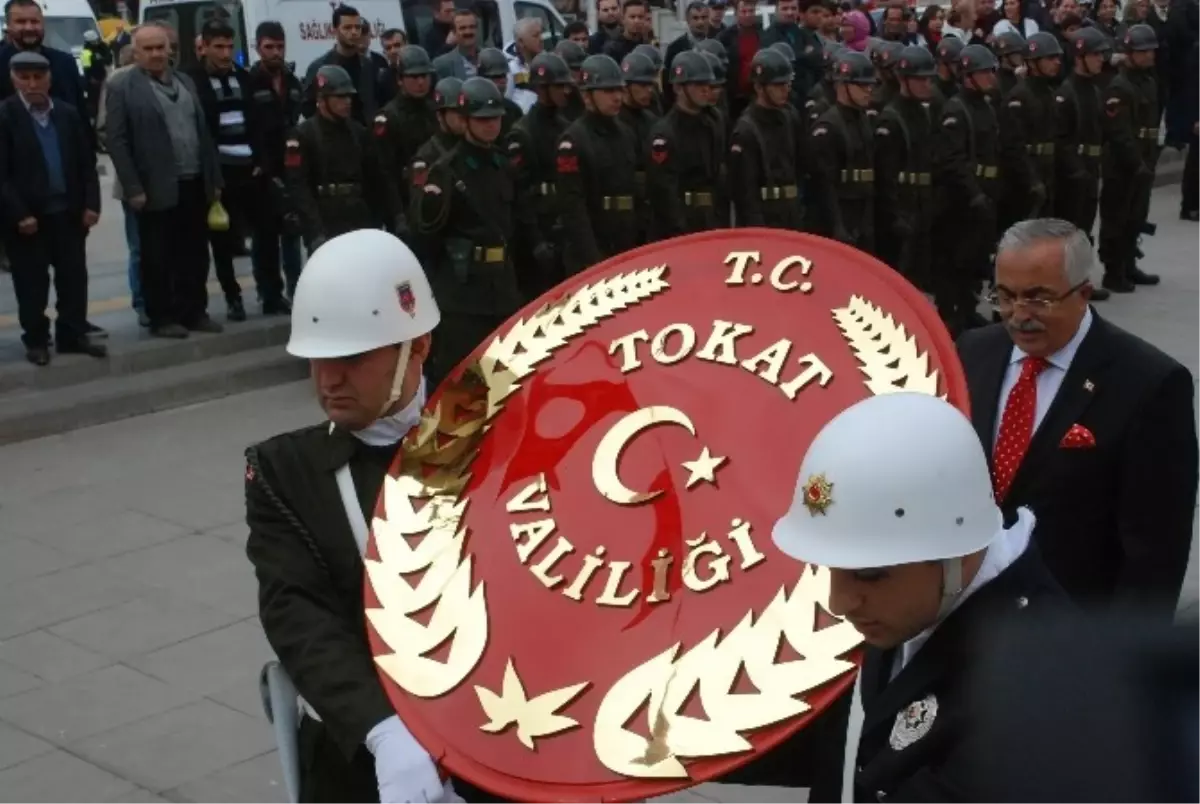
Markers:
{"x": 572, "y": 589}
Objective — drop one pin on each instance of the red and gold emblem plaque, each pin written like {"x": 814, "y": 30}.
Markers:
{"x": 573, "y": 593}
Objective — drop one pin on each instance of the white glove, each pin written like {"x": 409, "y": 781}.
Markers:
{"x": 404, "y": 770}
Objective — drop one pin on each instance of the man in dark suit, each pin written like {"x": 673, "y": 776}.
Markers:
{"x": 347, "y": 27}
{"x": 462, "y": 62}
{"x": 26, "y": 32}
{"x": 49, "y": 197}
{"x": 1087, "y": 425}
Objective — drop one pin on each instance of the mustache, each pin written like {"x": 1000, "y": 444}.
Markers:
{"x": 1027, "y": 326}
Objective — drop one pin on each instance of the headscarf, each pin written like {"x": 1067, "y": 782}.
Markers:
{"x": 862, "y": 29}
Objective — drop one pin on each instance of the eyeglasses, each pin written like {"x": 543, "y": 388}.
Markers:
{"x": 1003, "y": 300}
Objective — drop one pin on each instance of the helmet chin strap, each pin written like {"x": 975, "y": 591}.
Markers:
{"x": 952, "y": 584}
{"x": 397, "y": 378}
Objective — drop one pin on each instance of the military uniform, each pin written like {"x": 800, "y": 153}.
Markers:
{"x": 532, "y": 149}
{"x": 406, "y": 123}
{"x": 1031, "y": 106}
{"x": 904, "y": 159}
{"x": 640, "y": 120}
{"x": 1131, "y": 117}
{"x": 573, "y": 55}
{"x": 1079, "y": 139}
{"x": 493, "y": 65}
{"x": 842, "y": 165}
{"x": 884, "y": 56}
{"x": 466, "y": 214}
{"x": 945, "y": 86}
{"x": 686, "y": 154}
{"x": 597, "y": 181}
{"x": 334, "y": 174}
{"x": 764, "y": 154}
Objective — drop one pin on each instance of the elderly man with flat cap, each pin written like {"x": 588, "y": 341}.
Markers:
{"x": 49, "y": 199}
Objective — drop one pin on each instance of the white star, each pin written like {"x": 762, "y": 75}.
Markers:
{"x": 703, "y": 468}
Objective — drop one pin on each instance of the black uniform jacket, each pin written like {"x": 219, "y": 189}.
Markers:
{"x": 310, "y": 574}
{"x": 1115, "y": 519}
{"x": 943, "y": 764}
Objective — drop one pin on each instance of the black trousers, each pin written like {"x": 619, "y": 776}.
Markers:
{"x": 58, "y": 242}
{"x": 1189, "y": 200}
{"x": 238, "y": 198}
{"x": 174, "y": 264}
{"x": 1077, "y": 202}
{"x": 267, "y": 225}
{"x": 1124, "y": 207}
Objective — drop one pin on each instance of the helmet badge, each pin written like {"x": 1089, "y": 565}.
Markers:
{"x": 408, "y": 301}
{"x": 818, "y": 494}
{"x": 541, "y": 70}
{"x": 321, "y": 80}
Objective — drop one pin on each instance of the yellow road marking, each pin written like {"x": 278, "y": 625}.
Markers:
{"x": 96, "y": 306}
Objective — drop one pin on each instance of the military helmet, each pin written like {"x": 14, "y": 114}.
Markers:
{"x": 1139, "y": 37}
{"x": 854, "y": 68}
{"x": 715, "y": 64}
{"x": 651, "y": 52}
{"x": 916, "y": 62}
{"x": 334, "y": 81}
{"x": 414, "y": 61}
{"x": 548, "y": 69}
{"x": 976, "y": 59}
{"x": 787, "y": 50}
{"x": 690, "y": 67}
{"x": 830, "y": 50}
{"x": 769, "y": 66}
{"x": 571, "y": 53}
{"x": 1043, "y": 45}
{"x": 1090, "y": 40}
{"x": 447, "y": 95}
{"x": 949, "y": 49}
{"x": 492, "y": 63}
{"x": 638, "y": 69}
{"x": 601, "y": 72}
{"x": 886, "y": 53}
{"x": 1009, "y": 43}
{"x": 715, "y": 48}
{"x": 481, "y": 98}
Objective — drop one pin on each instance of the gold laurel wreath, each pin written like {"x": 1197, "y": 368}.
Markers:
{"x": 711, "y": 668}
{"x": 889, "y": 356}
{"x": 434, "y": 468}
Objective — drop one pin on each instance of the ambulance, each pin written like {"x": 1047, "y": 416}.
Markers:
{"x": 308, "y": 24}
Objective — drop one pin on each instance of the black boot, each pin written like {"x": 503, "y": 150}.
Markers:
{"x": 236, "y": 311}
{"x": 1140, "y": 277}
{"x": 1101, "y": 294}
{"x": 1116, "y": 281}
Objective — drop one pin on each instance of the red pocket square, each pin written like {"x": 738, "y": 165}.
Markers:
{"x": 1078, "y": 437}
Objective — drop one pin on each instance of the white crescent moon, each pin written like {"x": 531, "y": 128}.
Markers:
{"x": 608, "y": 453}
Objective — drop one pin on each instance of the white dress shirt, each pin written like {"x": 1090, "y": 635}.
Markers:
{"x": 1048, "y": 382}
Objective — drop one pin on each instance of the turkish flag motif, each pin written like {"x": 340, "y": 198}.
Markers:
{"x": 568, "y": 164}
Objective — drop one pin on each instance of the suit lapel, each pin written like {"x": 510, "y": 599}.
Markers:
{"x": 985, "y": 389}
{"x": 1077, "y": 391}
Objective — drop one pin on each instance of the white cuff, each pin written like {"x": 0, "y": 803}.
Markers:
{"x": 388, "y": 727}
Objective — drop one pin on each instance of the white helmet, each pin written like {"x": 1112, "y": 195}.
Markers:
{"x": 360, "y": 291}
{"x": 894, "y": 479}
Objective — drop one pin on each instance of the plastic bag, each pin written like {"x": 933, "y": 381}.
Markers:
{"x": 218, "y": 217}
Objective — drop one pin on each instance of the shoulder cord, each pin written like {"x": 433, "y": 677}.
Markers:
{"x": 285, "y": 512}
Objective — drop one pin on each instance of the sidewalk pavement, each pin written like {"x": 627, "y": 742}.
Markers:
{"x": 129, "y": 641}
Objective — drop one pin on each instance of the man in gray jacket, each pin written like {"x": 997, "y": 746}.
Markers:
{"x": 164, "y": 157}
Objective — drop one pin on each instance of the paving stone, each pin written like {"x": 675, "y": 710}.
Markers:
{"x": 60, "y": 777}
{"x": 80, "y": 707}
{"x": 235, "y": 534}
{"x": 16, "y": 746}
{"x": 245, "y": 698}
{"x": 211, "y": 663}
{"x": 142, "y": 625}
{"x": 179, "y": 746}
{"x": 50, "y": 657}
{"x": 24, "y": 559}
{"x": 111, "y": 534}
{"x": 197, "y": 567}
{"x": 59, "y": 596}
{"x": 259, "y": 779}
{"x": 46, "y": 501}
{"x": 14, "y": 681}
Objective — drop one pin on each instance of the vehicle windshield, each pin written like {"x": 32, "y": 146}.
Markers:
{"x": 188, "y": 19}
{"x": 66, "y": 33}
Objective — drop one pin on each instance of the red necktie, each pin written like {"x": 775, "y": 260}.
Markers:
{"x": 1016, "y": 426}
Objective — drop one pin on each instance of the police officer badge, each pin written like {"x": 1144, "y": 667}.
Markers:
{"x": 913, "y": 722}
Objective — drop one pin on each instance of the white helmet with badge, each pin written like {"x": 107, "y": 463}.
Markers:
{"x": 894, "y": 479}
{"x": 360, "y": 291}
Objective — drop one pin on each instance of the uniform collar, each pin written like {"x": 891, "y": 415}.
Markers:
{"x": 1062, "y": 358}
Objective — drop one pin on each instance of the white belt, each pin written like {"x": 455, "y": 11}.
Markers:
{"x": 358, "y": 526}
{"x": 854, "y": 727}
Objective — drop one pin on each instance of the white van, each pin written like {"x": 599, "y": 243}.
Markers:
{"x": 66, "y": 22}
{"x": 308, "y": 23}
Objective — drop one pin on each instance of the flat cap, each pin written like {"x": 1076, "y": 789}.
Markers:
{"x": 28, "y": 60}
